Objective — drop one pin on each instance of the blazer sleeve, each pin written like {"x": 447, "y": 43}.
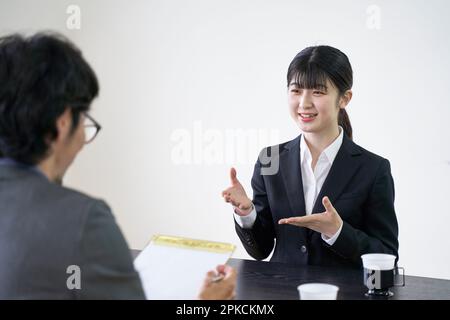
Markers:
{"x": 259, "y": 240}
{"x": 380, "y": 233}
{"x": 107, "y": 270}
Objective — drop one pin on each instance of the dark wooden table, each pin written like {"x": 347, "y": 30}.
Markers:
{"x": 258, "y": 280}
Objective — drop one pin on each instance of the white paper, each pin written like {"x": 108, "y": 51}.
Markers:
{"x": 175, "y": 273}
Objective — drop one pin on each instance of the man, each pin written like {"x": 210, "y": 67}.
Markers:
{"x": 45, "y": 95}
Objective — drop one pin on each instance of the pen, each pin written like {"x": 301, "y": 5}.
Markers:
{"x": 217, "y": 278}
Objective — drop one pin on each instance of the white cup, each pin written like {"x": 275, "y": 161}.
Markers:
{"x": 378, "y": 261}
{"x": 317, "y": 291}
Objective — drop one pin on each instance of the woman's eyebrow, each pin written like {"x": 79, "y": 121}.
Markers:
{"x": 321, "y": 87}
{"x": 317, "y": 87}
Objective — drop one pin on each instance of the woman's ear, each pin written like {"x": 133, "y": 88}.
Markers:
{"x": 345, "y": 99}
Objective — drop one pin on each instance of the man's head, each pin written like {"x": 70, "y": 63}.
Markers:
{"x": 46, "y": 88}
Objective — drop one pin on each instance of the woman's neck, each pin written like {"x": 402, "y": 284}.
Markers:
{"x": 317, "y": 142}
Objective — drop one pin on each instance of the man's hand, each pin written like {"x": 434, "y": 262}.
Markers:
{"x": 222, "y": 289}
{"x": 327, "y": 223}
{"x": 236, "y": 196}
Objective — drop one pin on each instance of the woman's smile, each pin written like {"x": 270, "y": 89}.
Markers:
{"x": 307, "y": 117}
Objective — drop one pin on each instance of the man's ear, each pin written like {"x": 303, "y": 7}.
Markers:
{"x": 345, "y": 99}
{"x": 64, "y": 125}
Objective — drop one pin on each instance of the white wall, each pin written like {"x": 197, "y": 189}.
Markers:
{"x": 174, "y": 67}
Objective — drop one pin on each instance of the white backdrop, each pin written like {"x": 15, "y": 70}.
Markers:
{"x": 181, "y": 80}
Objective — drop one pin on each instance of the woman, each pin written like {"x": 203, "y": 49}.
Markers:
{"x": 329, "y": 200}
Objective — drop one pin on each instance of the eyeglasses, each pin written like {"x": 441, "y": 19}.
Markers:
{"x": 91, "y": 128}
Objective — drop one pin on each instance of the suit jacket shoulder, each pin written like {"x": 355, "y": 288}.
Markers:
{"x": 46, "y": 228}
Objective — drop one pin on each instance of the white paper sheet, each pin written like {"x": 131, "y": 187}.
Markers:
{"x": 171, "y": 272}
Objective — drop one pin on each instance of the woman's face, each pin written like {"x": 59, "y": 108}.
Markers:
{"x": 314, "y": 110}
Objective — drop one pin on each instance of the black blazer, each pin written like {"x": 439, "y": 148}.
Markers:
{"x": 360, "y": 187}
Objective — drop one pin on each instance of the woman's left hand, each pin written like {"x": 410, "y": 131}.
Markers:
{"x": 327, "y": 223}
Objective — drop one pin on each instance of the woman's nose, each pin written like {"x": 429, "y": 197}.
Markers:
{"x": 305, "y": 101}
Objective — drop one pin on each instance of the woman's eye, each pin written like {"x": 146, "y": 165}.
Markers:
{"x": 294, "y": 90}
{"x": 318, "y": 92}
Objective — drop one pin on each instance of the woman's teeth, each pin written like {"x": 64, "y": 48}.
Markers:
{"x": 308, "y": 116}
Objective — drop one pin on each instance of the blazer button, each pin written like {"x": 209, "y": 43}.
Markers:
{"x": 303, "y": 249}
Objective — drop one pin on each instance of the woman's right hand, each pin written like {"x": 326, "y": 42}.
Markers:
{"x": 237, "y": 197}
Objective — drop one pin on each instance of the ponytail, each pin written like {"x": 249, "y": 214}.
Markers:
{"x": 344, "y": 122}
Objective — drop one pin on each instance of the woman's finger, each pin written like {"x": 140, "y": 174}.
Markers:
{"x": 304, "y": 221}
{"x": 327, "y": 204}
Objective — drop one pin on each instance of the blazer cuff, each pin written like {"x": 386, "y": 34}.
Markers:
{"x": 333, "y": 239}
{"x": 346, "y": 245}
{"x": 246, "y": 222}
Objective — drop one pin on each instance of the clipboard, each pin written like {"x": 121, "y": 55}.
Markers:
{"x": 174, "y": 268}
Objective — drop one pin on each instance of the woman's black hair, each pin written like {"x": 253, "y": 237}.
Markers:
{"x": 311, "y": 68}
{"x": 40, "y": 77}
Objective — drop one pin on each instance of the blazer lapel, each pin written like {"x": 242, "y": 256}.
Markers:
{"x": 292, "y": 177}
{"x": 345, "y": 165}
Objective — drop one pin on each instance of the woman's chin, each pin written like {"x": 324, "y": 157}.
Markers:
{"x": 306, "y": 128}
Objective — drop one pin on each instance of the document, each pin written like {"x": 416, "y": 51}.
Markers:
{"x": 174, "y": 268}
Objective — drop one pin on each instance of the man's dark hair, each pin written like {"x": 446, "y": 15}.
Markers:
{"x": 40, "y": 77}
